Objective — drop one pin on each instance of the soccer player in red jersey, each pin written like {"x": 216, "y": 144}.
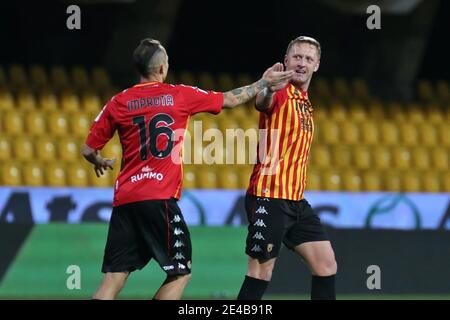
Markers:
{"x": 146, "y": 221}
{"x": 276, "y": 209}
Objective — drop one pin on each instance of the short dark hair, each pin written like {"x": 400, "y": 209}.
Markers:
{"x": 144, "y": 53}
{"x": 305, "y": 39}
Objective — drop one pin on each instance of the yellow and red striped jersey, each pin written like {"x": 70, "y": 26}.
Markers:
{"x": 286, "y": 132}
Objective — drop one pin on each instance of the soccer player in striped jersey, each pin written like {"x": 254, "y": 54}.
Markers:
{"x": 276, "y": 209}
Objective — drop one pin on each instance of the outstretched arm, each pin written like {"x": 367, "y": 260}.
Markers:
{"x": 265, "y": 97}
{"x": 94, "y": 157}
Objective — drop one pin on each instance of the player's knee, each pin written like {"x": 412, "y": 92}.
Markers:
{"x": 116, "y": 279}
{"x": 263, "y": 272}
{"x": 326, "y": 267}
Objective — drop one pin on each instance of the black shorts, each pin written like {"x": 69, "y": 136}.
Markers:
{"x": 144, "y": 230}
{"x": 276, "y": 221}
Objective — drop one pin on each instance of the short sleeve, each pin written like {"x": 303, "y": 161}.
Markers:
{"x": 103, "y": 127}
{"x": 198, "y": 100}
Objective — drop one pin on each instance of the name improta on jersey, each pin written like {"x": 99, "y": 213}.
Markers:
{"x": 147, "y": 173}
{"x": 165, "y": 100}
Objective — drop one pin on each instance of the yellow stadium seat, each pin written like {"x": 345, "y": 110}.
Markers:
{"x": 209, "y": 123}
{"x": 13, "y": 123}
{"x": 70, "y": 102}
{"x": 443, "y": 91}
{"x": 206, "y": 81}
{"x": 428, "y": 134}
{"x": 100, "y": 78}
{"x": 45, "y": 149}
{"x": 58, "y": 124}
{"x": 225, "y": 82}
{"x": 421, "y": 158}
{"x": 91, "y": 103}
{"x": 245, "y": 173}
{"x": 415, "y": 113}
{"x": 351, "y": 181}
{"x": 409, "y": 133}
{"x": 243, "y": 79}
{"x": 357, "y": 112}
{"x": 38, "y": 76}
{"x": 11, "y": 174}
{"x": 331, "y": 180}
{"x": 341, "y": 89}
{"x": 435, "y": 114}
{"x": 396, "y": 112}
{"x": 189, "y": 177}
{"x": 431, "y": 181}
{"x": 6, "y": 100}
{"x": 350, "y": 133}
{"x": 445, "y": 182}
{"x": 23, "y": 148}
{"x": 104, "y": 181}
{"x": 369, "y": 133}
{"x": 68, "y": 150}
{"x": 338, "y": 112}
{"x": 187, "y": 78}
{"x": 376, "y": 110}
{"x": 440, "y": 158}
{"x": 341, "y": 156}
{"x": 361, "y": 157}
{"x": 389, "y": 133}
{"x": 25, "y": 100}
{"x": 227, "y": 178}
{"x": 47, "y": 101}
{"x": 425, "y": 90}
{"x": 444, "y": 133}
{"x": 228, "y": 123}
{"x": 80, "y": 123}
{"x": 330, "y": 132}
{"x": 322, "y": 89}
{"x": 35, "y": 123}
{"x": 113, "y": 148}
{"x": 320, "y": 112}
{"x": 33, "y": 174}
{"x": 392, "y": 181}
{"x": 207, "y": 178}
{"x": 17, "y": 76}
{"x": 171, "y": 78}
{"x": 55, "y": 175}
{"x": 80, "y": 77}
{"x": 381, "y": 157}
{"x": 77, "y": 175}
{"x": 371, "y": 181}
{"x": 5, "y": 148}
{"x": 360, "y": 89}
{"x": 401, "y": 157}
{"x": 320, "y": 156}
{"x": 411, "y": 181}
{"x": 59, "y": 77}
{"x": 313, "y": 180}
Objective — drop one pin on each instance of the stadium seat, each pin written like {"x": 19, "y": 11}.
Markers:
{"x": 243, "y": 79}
{"x": 206, "y": 81}
{"x": 322, "y": 89}
{"x": 206, "y": 178}
{"x": 45, "y": 149}
{"x": 431, "y": 181}
{"x": 69, "y": 102}
{"x": 189, "y": 178}
{"x": 104, "y": 181}
{"x": 186, "y": 78}
{"x": 338, "y": 112}
{"x": 6, "y": 100}
{"x": 357, "y": 112}
{"x": 38, "y": 76}
{"x": 361, "y": 157}
{"x": 58, "y": 124}
{"x": 80, "y": 124}
{"x": 369, "y": 133}
{"x": 341, "y": 89}
{"x": 360, "y": 90}
{"x": 35, "y": 123}
{"x": 421, "y": 158}
{"x": 351, "y": 181}
{"x": 443, "y": 92}
{"x": 55, "y": 175}
{"x": 330, "y": 132}
{"x": 445, "y": 182}
{"x": 11, "y": 174}
{"x": 59, "y": 78}
{"x": 444, "y": 133}
{"x": 91, "y": 103}
{"x": 47, "y": 101}
{"x": 171, "y": 78}
{"x": 23, "y": 148}
{"x": 17, "y": 76}
{"x": 113, "y": 148}
{"x": 440, "y": 158}
{"x": 33, "y": 174}
{"x": 376, "y": 110}
{"x": 392, "y": 181}
{"x": 401, "y": 157}
{"x": 428, "y": 134}
{"x": 425, "y": 91}
{"x": 371, "y": 181}
{"x": 100, "y": 78}
{"x": 77, "y": 175}
{"x": 381, "y": 157}
{"x": 331, "y": 180}
{"x": 68, "y": 150}
{"x": 313, "y": 180}
{"x": 435, "y": 114}
{"x": 409, "y": 133}
{"x": 13, "y": 123}
{"x": 244, "y": 172}
{"x": 395, "y": 112}
{"x": 389, "y": 133}
{"x": 227, "y": 178}
{"x": 320, "y": 156}
{"x": 5, "y": 148}
{"x": 25, "y": 100}
{"x": 341, "y": 156}
{"x": 350, "y": 133}
{"x": 225, "y": 82}
{"x": 80, "y": 77}
{"x": 411, "y": 181}
{"x": 415, "y": 113}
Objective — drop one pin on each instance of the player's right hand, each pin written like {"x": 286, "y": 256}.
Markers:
{"x": 103, "y": 164}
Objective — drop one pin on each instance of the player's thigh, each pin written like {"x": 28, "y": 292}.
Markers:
{"x": 319, "y": 256}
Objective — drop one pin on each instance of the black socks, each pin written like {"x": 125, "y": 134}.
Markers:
{"x": 322, "y": 288}
{"x": 252, "y": 289}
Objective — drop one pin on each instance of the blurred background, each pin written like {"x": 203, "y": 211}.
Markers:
{"x": 378, "y": 172}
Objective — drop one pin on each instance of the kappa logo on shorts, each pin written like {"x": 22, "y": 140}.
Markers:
{"x": 256, "y": 248}
{"x": 262, "y": 210}
{"x": 176, "y": 219}
{"x": 178, "y": 231}
{"x": 258, "y": 236}
{"x": 269, "y": 247}
{"x": 171, "y": 267}
{"x": 179, "y": 256}
{"x": 260, "y": 223}
{"x": 178, "y": 244}
{"x": 263, "y": 199}
{"x": 181, "y": 266}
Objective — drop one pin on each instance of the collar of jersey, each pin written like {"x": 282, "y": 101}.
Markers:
{"x": 292, "y": 89}
{"x": 146, "y": 83}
